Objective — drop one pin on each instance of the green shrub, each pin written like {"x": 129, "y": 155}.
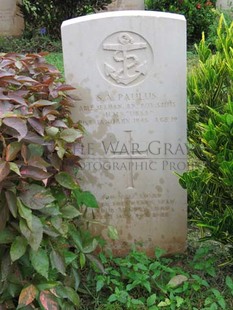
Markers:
{"x": 46, "y": 16}
{"x": 200, "y": 14}
{"x": 210, "y": 132}
{"x": 29, "y": 44}
{"x": 43, "y": 246}
{"x": 137, "y": 282}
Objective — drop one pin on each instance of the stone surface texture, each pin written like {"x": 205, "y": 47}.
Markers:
{"x": 11, "y": 20}
{"x": 129, "y": 69}
{"x": 118, "y": 5}
{"x": 225, "y": 4}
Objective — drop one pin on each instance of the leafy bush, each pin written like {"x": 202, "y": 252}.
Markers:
{"x": 24, "y": 44}
{"x": 43, "y": 246}
{"x": 210, "y": 122}
{"x": 137, "y": 282}
{"x": 47, "y": 16}
{"x": 199, "y": 14}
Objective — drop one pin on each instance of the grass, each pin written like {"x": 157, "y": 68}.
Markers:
{"x": 56, "y": 59}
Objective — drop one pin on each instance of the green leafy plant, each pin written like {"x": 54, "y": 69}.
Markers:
{"x": 210, "y": 121}
{"x": 139, "y": 282}
{"x": 29, "y": 44}
{"x": 200, "y": 14}
{"x": 46, "y": 16}
{"x": 43, "y": 246}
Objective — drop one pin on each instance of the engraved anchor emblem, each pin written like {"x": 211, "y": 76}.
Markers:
{"x": 131, "y": 67}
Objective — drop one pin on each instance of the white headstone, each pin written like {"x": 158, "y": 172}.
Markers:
{"x": 11, "y": 19}
{"x": 118, "y": 5}
{"x": 224, "y": 4}
{"x": 129, "y": 69}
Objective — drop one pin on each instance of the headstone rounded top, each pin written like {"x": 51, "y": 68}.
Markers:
{"x": 122, "y": 14}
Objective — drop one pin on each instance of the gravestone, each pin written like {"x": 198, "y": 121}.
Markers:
{"x": 129, "y": 69}
{"x": 118, "y": 5}
{"x": 11, "y": 19}
{"x": 224, "y": 4}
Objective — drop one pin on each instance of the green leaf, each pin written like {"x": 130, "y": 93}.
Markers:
{"x": 47, "y": 285}
{"x": 60, "y": 226}
{"x": 96, "y": 262}
{"x": 99, "y": 285}
{"x": 60, "y": 151}
{"x": 5, "y": 266}
{"x": 90, "y": 247}
{"x": 113, "y": 233}
{"x": 58, "y": 262}
{"x": 159, "y": 252}
{"x": 34, "y": 235}
{"x": 18, "y": 248}
{"x": 179, "y": 301}
{"x": 77, "y": 278}
{"x": 229, "y": 119}
{"x": 151, "y": 300}
{"x": 146, "y": 284}
{"x": 27, "y": 295}
{"x": 66, "y": 180}
{"x": 74, "y": 234}
{"x": 82, "y": 260}
{"x": 229, "y": 283}
{"x": 164, "y": 303}
{"x": 85, "y": 198}
{"x": 11, "y": 202}
{"x": 25, "y": 213}
{"x": 70, "y": 212}
{"x": 73, "y": 296}
{"x": 40, "y": 261}
{"x": 69, "y": 257}
{"x": 52, "y": 131}
{"x": 6, "y": 236}
{"x": 35, "y": 149}
{"x": 14, "y": 167}
{"x": 70, "y": 135}
{"x": 36, "y": 197}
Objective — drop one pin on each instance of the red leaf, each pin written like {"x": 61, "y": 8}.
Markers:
{"x": 42, "y": 103}
{"x": 12, "y": 150}
{"x": 4, "y": 170}
{"x": 13, "y": 97}
{"x": 27, "y": 295}
{"x": 34, "y": 173}
{"x": 17, "y": 124}
{"x": 64, "y": 87}
{"x": 36, "y": 125}
{"x": 5, "y": 107}
{"x": 4, "y": 74}
{"x": 48, "y": 301}
{"x": 26, "y": 79}
{"x": 32, "y": 137}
